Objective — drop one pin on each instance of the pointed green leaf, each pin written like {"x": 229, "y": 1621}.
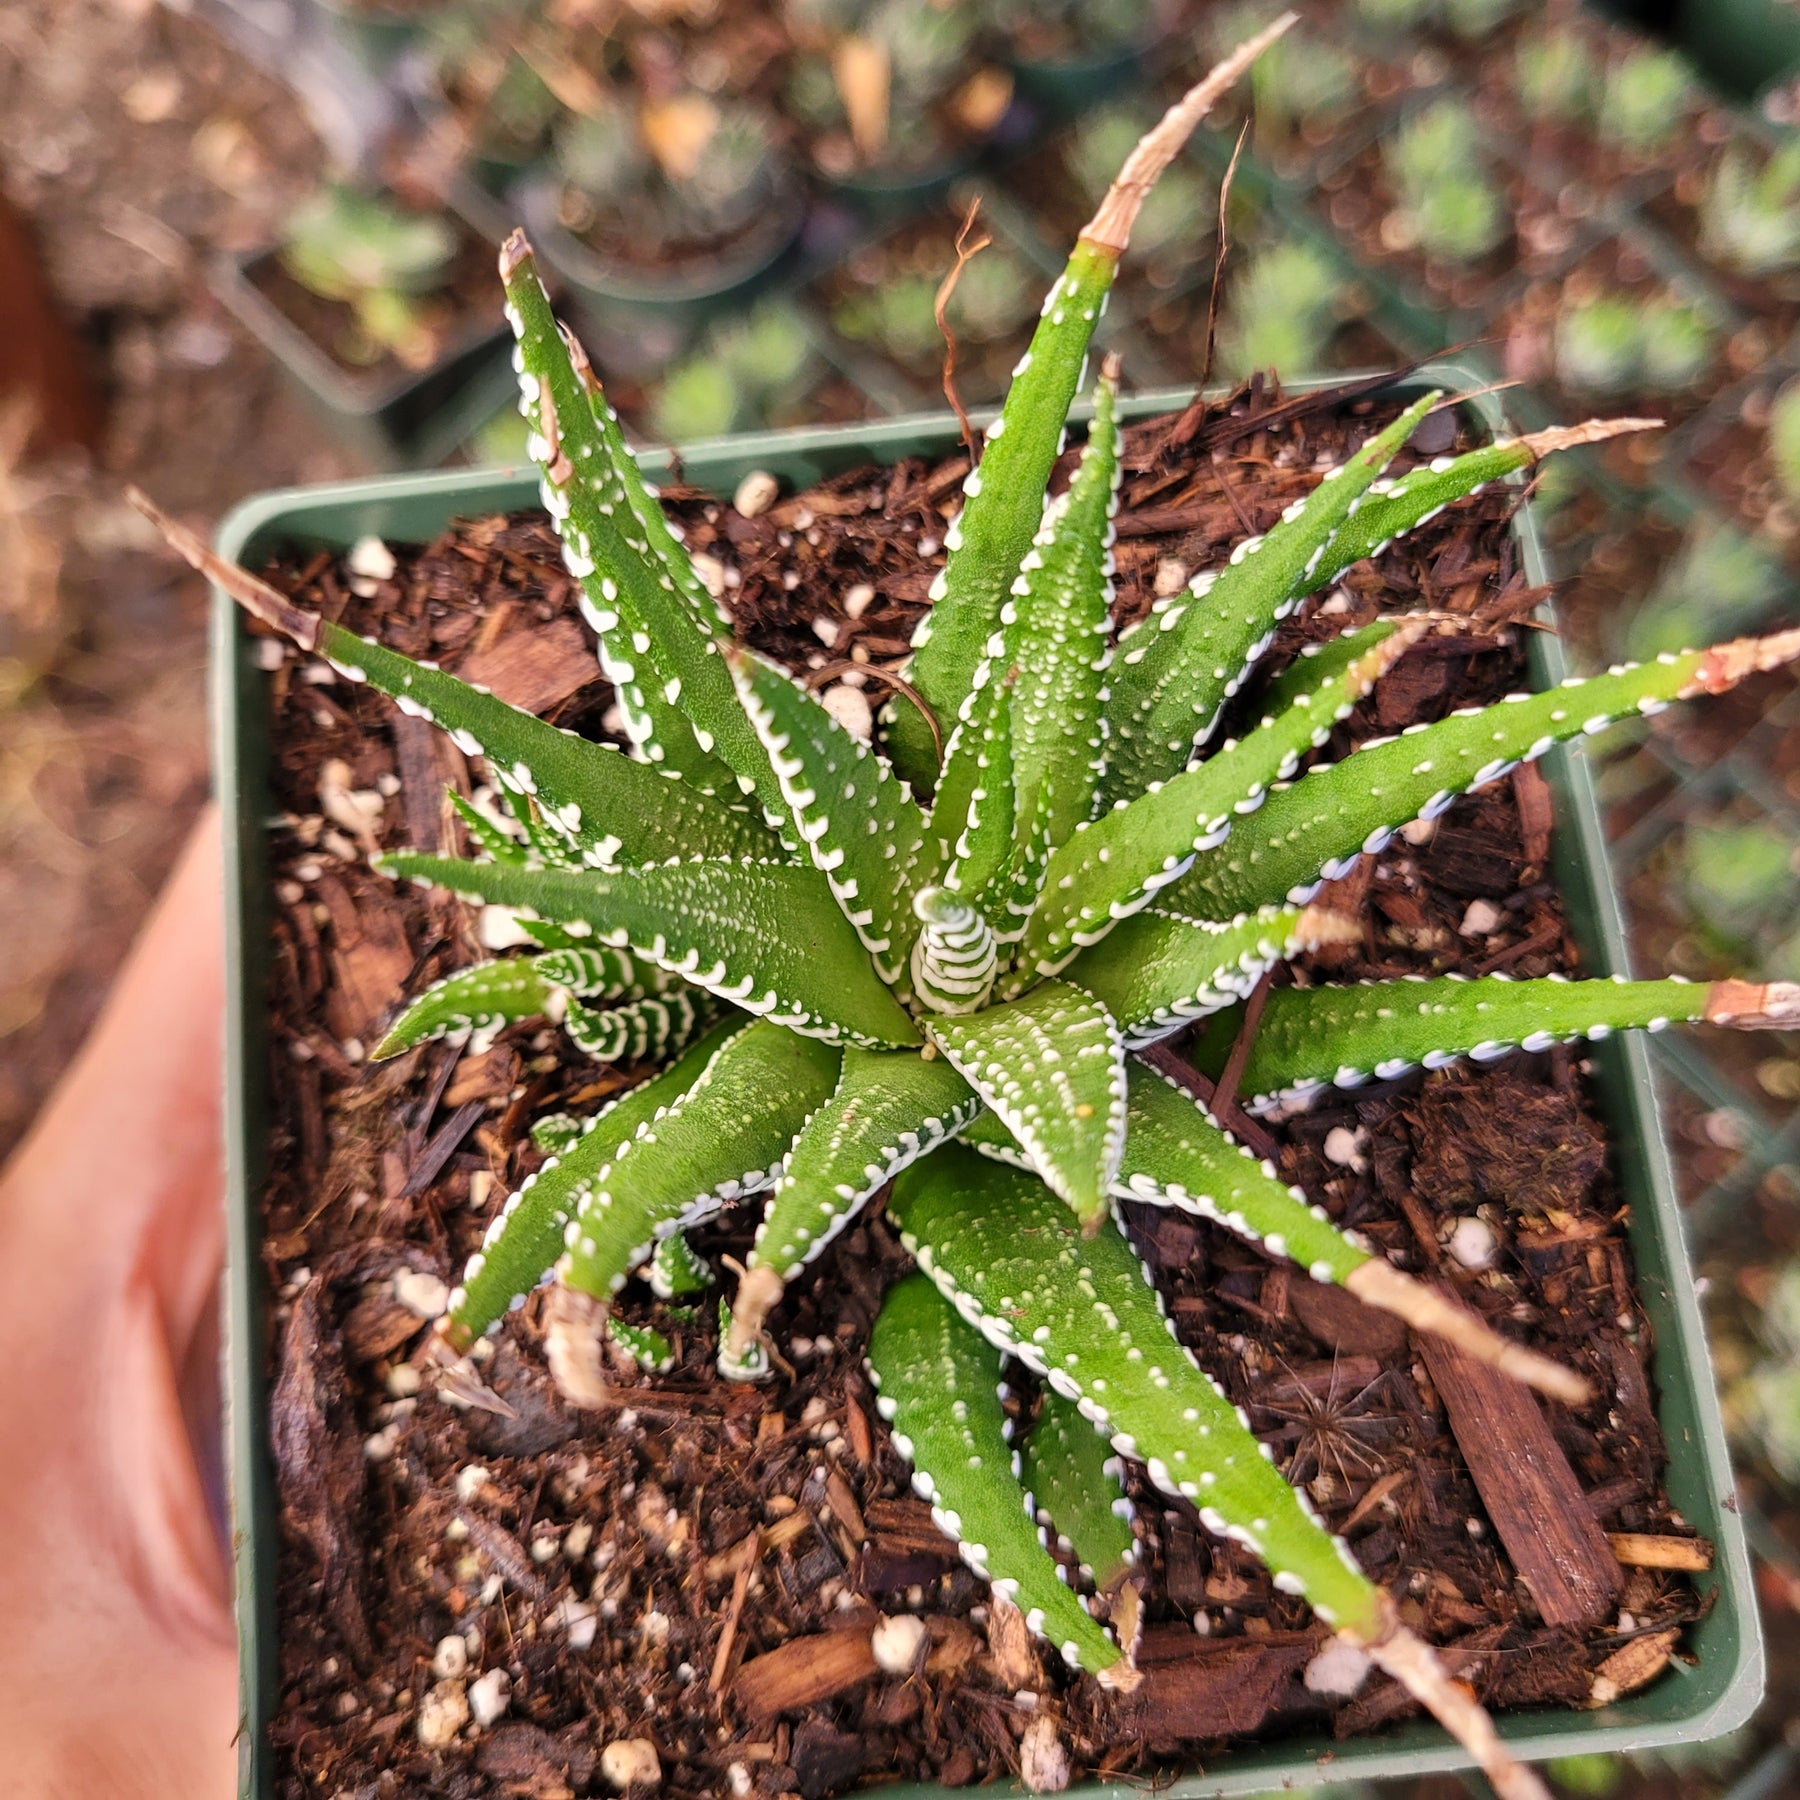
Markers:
{"x": 1003, "y": 496}
{"x": 1315, "y": 830}
{"x": 955, "y": 956}
{"x": 1156, "y": 972}
{"x": 668, "y": 668}
{"x": 593, "y": 972}
{"x": 646, "y": 1347}
{"x": 864, "y": 829}
{"x": 491, "y": 837}
{"x": 1071, "y": 1474}
{"x": 525, "y": 1237}
{"x": 1175, "y": 670}
{"x": 1051, "y": 1065}
{"x": 766, "y": 936}
{"x": 1310, "y": 1038}
{"x": 1003, "y": 506}
{"x": 1393, "y": 508}
{"x": 476, "y": 1000}
{"x": 1081, "y": 1312}
{"x": 938, "y": 1386}
{"x": 1112, "y": 868}
{"x": 1176, "y": 1156}
{"x": 677, "y": 1269}
{"x": 615, "y": 810}
{"x": 1055, "y": 624}
{"x": 652, "y": 1027}
{"x": 890, "y": 1107}
{"x": 725, "y": 1137}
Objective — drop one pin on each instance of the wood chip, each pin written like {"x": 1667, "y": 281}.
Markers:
{"x": 1527, "y": 1486}
{"x": 1214, "y": 1688}
{"x": 803, "y": 1672}
{"x": 533, "y": 667}
{"x": 1639, "y": 1550}
{"x": 1632, "y": 1666}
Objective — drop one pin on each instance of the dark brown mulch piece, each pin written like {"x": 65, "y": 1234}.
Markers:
{"x": 407, "y": 1519}
{"x": 1527, "y": 1486}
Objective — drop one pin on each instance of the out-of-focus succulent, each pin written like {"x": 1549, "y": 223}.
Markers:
{"x": 1611, "y": 343}
{"x": 1592, "y": 1776}
{"x": 898, "y": 313}
{"x": 1645, "y": 97}
{"x": 686, "y": 172}
{"x": 1784, "y": 439}
{"x": 1736, "y": 875}
{"x": 1750, "y": 216}
{"x": 1051, "y": 29}
{"x": 874, "y": 84}
{"x": 1447, "y": 204}
{"x": 1395, "y": 16}
{"x": 1767, "y": 1400}
{"x": 1303, "y": 79}
{"x": 743, "y": 371}
{"x": 1280, "y": 309}
{"x": 1466, "y": 19}
{"x": 1556, "y": 76}
{"x": 1722, "y": 579}
{"x": 1473, "y": 19}
{"x": 380, "y": 260}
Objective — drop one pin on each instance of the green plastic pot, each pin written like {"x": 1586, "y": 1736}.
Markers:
{"x": 395, "y": 421}
{"x": 1684, "y": 1706}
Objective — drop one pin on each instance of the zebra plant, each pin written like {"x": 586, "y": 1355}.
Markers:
{"x": 845, "y": 960}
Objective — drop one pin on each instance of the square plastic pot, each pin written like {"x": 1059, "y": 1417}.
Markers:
{"x": 406, "y": 419}
{"x": 1685, "y": 1705}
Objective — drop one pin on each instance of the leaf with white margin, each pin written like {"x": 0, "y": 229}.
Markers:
{"x": 1315, "y": 830}
{"x": 768, "y": 937}
{"x": 865, "y": 831}
{"x": 1051, "y": 1065}
{"x": 525, "y": 1237}
{"x": 937, "y": 1384}
{"x": 1174, "y": 671}
{"x": 726, "y": 1137}
{"x": 1071, "y": 1475}
{"x": 1082, "y": 1312}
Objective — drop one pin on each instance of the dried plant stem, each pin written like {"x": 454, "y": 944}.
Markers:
{"x": 966, "y": 248}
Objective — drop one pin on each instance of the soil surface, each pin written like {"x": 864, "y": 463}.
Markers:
{"x": 702, "y": 1569}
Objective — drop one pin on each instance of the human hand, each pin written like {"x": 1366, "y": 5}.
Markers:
{"x": 117, "y": 1653}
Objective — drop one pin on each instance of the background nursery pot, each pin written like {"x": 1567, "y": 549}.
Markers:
{"x": 1686, "y": 1705}
{"x": 393, "y": 419}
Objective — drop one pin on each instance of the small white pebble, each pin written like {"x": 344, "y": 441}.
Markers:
{"x": 756, "y": 493}
{"x": 1170, "y": 578}
{"x": 580, "y": 1621}
{"x": 387, "y": 784}
{"x": 826, "y": 631}
{"x": 856, "y": 602}
{"x": 381, "y": 1446}
{"x": 851, "y": 710}
{"x": 371, "y": 557}
{"x": 490, "y": 1696}
{"x": 1420, "y": 832}
{"x": 442, "y": 1714}
{"x": 897, "y": 1641}
{"x": 542, "y": 1549}
{"x": 739, "y": 1779}
{"x": 470, "y": 1480}
{"x": 929, "y": 546}
{"x": 1337, "y": 602}
{"x": 711, "y": 572}
{"x": 421, "y": 1292}
{"x": 450, "y": 1659}
{"x": 1043, "y": 1757}
{"x": 271, "y": 653}
{"x": 1344, "y": 1147}
{"x": 612, "y": 721}
{"x": 577, "y": 1539}
{"x": 1481, "y": 920}
{"x": 1475, "y": 1529}
{"x": 499, "y": 929}
{"x": 1338, "y": 1670}
{"x": 631, "y": 1762}
{"x": 1472, "y": 1243}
